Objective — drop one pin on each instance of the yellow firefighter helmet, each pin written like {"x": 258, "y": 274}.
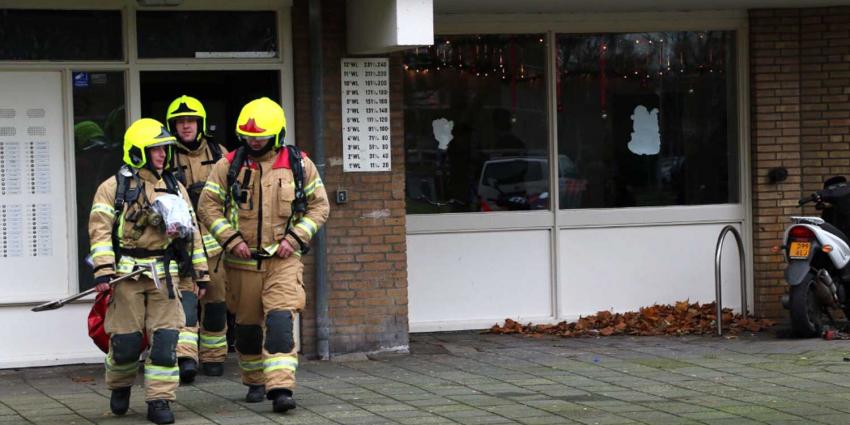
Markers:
{"x": 141, "y": 135}
{"x": 187, "y": 106}
{"x": 262, "y": 118}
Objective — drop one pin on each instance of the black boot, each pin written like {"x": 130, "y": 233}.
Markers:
{"x": 282, "y": 400}
{"x": 119, "y": 402}
{"x": 159, "y": 412}
{"x": 256, "y": 393}
{"x": 188, "y": 370}
{"x": 212, "y": 369}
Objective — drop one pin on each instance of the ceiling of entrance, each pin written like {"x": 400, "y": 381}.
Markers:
{"x": 573, "y": 6}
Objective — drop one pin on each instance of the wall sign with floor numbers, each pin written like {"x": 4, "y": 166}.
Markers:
{"x": 365, "y": 114}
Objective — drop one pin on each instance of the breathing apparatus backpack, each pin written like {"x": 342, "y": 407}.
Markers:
{"x": 238, "y": 191}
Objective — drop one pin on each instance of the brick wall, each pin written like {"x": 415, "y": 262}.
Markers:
{"x": 367, "y": 260}
{"x": 800, "y": 82}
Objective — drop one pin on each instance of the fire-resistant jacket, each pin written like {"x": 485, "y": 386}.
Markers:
{"x": 195, "y": 166}
{"x": 151, "y": 238}
{"x": 261, "y": 220}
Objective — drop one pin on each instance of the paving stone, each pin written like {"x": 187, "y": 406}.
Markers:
{"x": 470, "y": 378}
{"x": 545, "y": 420}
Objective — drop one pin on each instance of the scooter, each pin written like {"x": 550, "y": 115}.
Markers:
{"x": 818, "y": 253}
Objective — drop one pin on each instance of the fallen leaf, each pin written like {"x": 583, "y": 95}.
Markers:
{"x": 681, "y": 318}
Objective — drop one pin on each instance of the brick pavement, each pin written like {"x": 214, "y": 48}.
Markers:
{"x": 468, "y": 378}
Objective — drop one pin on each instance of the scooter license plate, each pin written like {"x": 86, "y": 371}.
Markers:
{"x": 799, "y": 249}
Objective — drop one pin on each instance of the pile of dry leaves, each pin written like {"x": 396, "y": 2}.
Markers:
{"x": 680, "y": 319}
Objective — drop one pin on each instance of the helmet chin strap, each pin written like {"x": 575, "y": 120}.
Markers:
{"x": 256, "y": 153}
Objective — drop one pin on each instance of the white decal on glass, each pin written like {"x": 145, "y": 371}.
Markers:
{"x": 443, "y": 132}
{"x": 646, "y": 138}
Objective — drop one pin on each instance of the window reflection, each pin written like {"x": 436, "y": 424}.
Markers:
{"x": 28, "y": 34}
{"x": 647, "y": 119}
{"x": 207, "y": 34}
{"x": 475, "y": 125}
{"x": 99, "y": 125}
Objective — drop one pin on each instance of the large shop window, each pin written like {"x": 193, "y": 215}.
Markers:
{"x": 206, "y": 34}
{"x": 647, "y": 119}
{"x": 476, "y": 135}
{"x": 27, "y": 34}
{"x": 99, "y": 125}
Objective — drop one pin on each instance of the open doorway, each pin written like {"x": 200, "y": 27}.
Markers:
{"x": 223, "y": 94}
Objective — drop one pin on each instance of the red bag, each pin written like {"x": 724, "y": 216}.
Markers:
{"x": 97, "y": 316}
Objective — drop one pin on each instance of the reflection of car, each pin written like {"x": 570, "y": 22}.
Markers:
{"x": 570, "y": 184}
{"x": 522, "y": 183}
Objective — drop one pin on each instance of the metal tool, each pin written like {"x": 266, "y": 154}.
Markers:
{"x": 53, "y": 305}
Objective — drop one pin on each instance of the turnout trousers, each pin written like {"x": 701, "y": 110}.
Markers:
{"x": 265, "y": 302}
{"x": 138, "y": 306}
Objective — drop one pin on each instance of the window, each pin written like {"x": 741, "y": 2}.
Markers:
{"x": 44, "y": 34}
{"x": 231, "y": 34}
{"x": 476, "y": 136}
{"x": 99, "y": 125}
{"x": 647, "y": 119}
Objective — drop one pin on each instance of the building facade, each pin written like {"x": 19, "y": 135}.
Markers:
{"x": 665, "y": 122}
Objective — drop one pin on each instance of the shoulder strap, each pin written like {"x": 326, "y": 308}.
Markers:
{"x": 236, "y": 158}
{"x": 170, "y": 182}
{"x": 121, "y": 190}
{"x": 215, "y": 150}
{"x": 296, "y": 162}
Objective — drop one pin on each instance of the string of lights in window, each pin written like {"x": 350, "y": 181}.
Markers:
{"x": 482, "y": 56}
{"x": 634, "y": 56}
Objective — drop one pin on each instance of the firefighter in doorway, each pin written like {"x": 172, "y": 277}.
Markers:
{"x": 263, "y": 203}
{"x": 129, "y": 227}
{"x": 194, "y": 156}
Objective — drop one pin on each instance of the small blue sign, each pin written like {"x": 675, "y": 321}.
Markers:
{"x": 81, "y": 79}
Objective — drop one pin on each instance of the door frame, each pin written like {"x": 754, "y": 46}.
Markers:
{"x": 131, "y": 65}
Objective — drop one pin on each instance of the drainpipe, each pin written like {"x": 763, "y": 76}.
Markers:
{"x": 317, "y": 104}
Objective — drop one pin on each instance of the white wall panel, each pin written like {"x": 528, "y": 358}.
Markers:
{"x": 46, "y": 338}
{"x": 625, "y": 268}
{"x": 33, "y": 206}
{"x": 474, "y": 280}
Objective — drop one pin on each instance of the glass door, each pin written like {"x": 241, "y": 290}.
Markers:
{"x": 223, "y": 94}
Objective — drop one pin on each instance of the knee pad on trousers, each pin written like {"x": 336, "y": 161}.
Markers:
{"x": 215, "y": 316}
{"x": 164, "y": 347}
{"x": 249, "y": 339}
{"x": 190, "y": 307}
{"x": 279, "y": 332}
{"x": 126, "y": 347}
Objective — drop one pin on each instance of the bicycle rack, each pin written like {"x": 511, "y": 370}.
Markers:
{"x": 718, "y": 254}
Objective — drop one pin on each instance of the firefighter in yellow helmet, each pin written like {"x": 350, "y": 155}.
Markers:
{"x": 194, "y": 156}
{"x": 263, "y": 203}
{"x": 126, "y": 230}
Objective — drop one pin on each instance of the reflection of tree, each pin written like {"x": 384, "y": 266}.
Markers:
{"x": 99, "y": 118}
{"x": 643, "y": 55}
{"x": 43, "y": 34}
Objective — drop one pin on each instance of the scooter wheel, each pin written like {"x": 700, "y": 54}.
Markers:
{"x": 806, "y": 313}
